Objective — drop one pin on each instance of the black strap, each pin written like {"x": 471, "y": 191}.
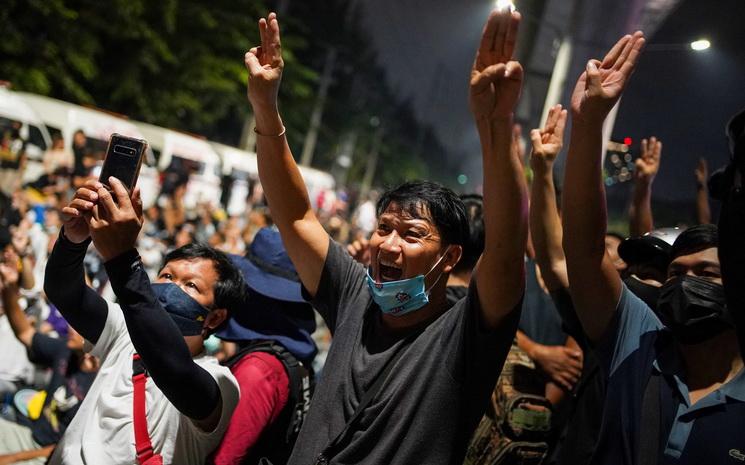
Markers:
{"x": 335, "y": 445}
{"x": 649, "y": 432}
{"x": 300, "y": 382}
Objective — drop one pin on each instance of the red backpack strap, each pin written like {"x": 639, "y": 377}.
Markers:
{"x": 142, "y": 438}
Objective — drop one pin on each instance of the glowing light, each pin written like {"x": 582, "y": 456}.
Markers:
{"x": 627, "y": 141}
{"x": 462, "y": 179}
{"x": 505, "y": 4}
{"x": 701, "y": 44}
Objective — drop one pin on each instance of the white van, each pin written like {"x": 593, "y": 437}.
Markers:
{"x": 13, "y": 109}
{"x": 182, "y": 153}
{"x": 98, "y": 125}
{"x": 242, "y": 169}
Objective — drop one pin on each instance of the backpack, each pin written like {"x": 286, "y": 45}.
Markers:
{"x": 517, "y": 424}
{"x": 277, "y": 440}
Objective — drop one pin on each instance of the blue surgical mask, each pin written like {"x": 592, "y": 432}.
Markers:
{"x": 212, "y": 345}
{"x": 403, "y": 296}
{"x": 187, "y": 313}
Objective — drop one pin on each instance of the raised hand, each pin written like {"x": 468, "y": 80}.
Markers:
{"x": 265, "y": 64}
{"x": 548, "y": 142}
{"x": 9, "y": 274}
{"x": 115, "y": 224}
{"x": 74, "y": 214}
{"x": 602, "y": 83}
{"x": 701, "y": 172}
{"x": 648, "y": 164}
{"x": 360, "y": 251}
{"x": 496, "y": 79}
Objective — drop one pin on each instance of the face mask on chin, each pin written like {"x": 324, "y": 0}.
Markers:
{"x": 694, "y": 309}
{"x": 648, "y": 293}
{"x": 405, "y": 295}
{"x": 187, "y": 313}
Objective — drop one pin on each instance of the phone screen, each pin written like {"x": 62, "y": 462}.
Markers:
{"x": 123, "y": 160}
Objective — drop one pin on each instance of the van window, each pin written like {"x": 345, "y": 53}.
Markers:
{"x": 35, "y": 137}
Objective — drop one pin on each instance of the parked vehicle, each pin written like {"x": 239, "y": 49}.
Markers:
{"x": 98, "y": 125}
{"x": 239, "y": 172}
{"x": 15, "y": 111}
{"x": 183, "y": 157}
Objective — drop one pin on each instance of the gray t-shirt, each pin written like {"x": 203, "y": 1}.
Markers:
{"x": 436, "y": 393}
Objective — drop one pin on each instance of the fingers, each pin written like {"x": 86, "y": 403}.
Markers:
{"x": 485, "y": 54}
{"x": 624, "y": 55}
{"x": 501, "y": 36}
{"x": 511, "y": 37}
{"x": 629, "y": 63}
{"x": 263, "y": 33}
{"x": 274, "y": 46}
{"x": 107, "y": 201}
{"x": 657, "y": 152}
{"x": 644, "y": 148}
{"x": 561, "y": 123}
{"x": 610, "y": 59}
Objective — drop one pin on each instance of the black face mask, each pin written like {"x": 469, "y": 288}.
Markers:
{"x": 648, "y": 293}
{"x": 694, "y": 309}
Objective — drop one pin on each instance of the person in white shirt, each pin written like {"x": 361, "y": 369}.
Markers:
{"x": 189, "y": 397}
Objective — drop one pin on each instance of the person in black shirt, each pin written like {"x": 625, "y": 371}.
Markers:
{"x": 433, "y": 396}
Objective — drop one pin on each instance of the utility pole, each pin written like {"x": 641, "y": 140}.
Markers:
{"x": 311, "y": 137}
{"x": 372, "y": 162}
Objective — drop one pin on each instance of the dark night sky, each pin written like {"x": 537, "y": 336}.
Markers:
{"x": 685, "y": 98}
{"x": 682, "y": 97}
{"x": 427, "y": 47}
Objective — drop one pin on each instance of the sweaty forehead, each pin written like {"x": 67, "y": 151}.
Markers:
{"x": 411, "y": 211}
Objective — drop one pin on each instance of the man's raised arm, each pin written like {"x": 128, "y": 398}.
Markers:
{"x": 645, "y": 169}
{"x": 304, "y": 238}
{"x": 495, "y": 86}
{"x": 594, "y": 284}
{"x": 545, "y": 223}
{"x": 64, "y": 277}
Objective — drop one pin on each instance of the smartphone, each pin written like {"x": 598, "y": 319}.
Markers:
{"x": 123, "y": 160}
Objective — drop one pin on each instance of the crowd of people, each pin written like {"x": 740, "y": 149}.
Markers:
{"x": 421, "y": 327}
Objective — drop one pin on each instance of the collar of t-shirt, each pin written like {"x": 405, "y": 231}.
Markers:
{"x": 669, "y": 364}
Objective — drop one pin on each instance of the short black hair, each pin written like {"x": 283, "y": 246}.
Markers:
{"x": 443, "y": 207}
{"x": 230, "y": 288}
{"x": 474, "y": 245}
{"x": 695, "y": 239}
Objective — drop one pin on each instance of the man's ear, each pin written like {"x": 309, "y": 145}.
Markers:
{"x": 214, "y": 319}
{"x": 452, "y": 257}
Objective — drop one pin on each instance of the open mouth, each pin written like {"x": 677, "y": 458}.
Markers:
{"x": 389, "y": 273}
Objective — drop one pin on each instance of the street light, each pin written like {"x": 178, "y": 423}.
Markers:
{"x": 505, "y": 4}
{"x": 700, "y": 45}
{"x": 696, "y": 46}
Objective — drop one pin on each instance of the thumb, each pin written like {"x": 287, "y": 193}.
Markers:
{"x": 593, "y": 75}
{"x": 535, "y": 139}
{"x": 252, "y": 62}
{"x": 137, "y": 202}
{"x": 481, "y": 81}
